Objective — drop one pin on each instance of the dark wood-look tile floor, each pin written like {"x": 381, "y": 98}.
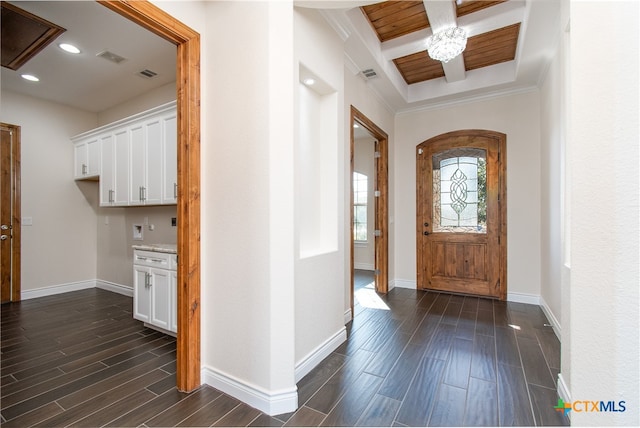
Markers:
{"x": 413, "y": 358}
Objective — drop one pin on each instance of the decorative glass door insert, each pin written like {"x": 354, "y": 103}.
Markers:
{"x": 460, "y": 191}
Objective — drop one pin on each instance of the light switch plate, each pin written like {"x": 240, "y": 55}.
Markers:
{"x": 27, "y": 221}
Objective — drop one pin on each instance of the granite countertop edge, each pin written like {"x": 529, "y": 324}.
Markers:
{"x": 159, "y": 248}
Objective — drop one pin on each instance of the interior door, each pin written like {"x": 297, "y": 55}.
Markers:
{"x": 10, "y": 213}
{"x": 461, "y": 215}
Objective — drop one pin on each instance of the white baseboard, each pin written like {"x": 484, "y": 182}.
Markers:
{"x": 364, "y": 266}
{"x": 530, "y": 299}
{"x": 116, "y": 288}
{"x": 57, "y": 289}
{"x": 269, "y": 402}
{"x": 563, "y": 391}
{"x": 309, "y": 362}
{"x": 403, "y": 283}
{"x": 555, "y": 324}
{"x": 75, "y": 286}
{"x": 347, "y": 316}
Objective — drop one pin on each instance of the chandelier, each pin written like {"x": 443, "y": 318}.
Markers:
{"x": 447, "y": 44}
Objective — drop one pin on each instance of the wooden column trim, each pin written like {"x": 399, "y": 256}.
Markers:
{"x": 187, "y": 42}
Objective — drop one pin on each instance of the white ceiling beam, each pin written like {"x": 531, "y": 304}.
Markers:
{"x": 406, "y": 45}
{"x": 454, "y": 70}
{"x": 442, "y": 15}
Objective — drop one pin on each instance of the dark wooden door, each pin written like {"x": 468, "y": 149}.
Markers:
{"x": 461, "y": 215}
{"x": 9, "y": 213}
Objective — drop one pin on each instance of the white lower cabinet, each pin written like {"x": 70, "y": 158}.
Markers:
{"x": 154, "y": 289}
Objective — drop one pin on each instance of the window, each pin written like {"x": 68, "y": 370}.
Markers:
{"x": 360, "y": 195}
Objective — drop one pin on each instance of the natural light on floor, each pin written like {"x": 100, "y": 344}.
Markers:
{"x": 368, "y": 298}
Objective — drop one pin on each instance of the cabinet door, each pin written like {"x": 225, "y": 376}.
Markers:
{"x": 107, "y": 175}
{"x": 141, "y": 294}
{"x": 80, "y": 159}
{"x": 153, "y": 152}
{"x": 138, "y": 164}
{"x": 170, "y": 160}
{"x": 173, "y": 295}
{"x": 160, "y": 298}
{"x": 93, "y": 157}
{"x": 121, "y": 167}
{"x": 86, "y": 154}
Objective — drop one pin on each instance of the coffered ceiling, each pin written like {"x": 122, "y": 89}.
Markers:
{"x": 509, "y": 47}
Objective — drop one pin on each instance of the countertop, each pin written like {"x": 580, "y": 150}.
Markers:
{"x": 160, "y": 248}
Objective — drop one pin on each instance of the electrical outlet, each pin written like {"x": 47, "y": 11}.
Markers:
{"x": 174, "y": 221}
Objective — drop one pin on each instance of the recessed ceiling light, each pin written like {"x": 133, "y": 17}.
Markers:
{"x": 30, "y": 77}
{"x": 69, "y": 48}
{"x": 309, "y": 81}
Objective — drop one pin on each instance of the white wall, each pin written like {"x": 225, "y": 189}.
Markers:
{"x": 552, "y": 170}
{"x": 518, "y": 116}
{"x": 319, "y": 277}
{"x": 60, "y": 247}
{"x": 605, "y": 225}
{"x": 115, "y": 238}
{"x": 364, "y": 163}
{"x": 246, "y": 237}
{"x": 147, "y": 101}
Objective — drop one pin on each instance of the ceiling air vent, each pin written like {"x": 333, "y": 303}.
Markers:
{"x": 110, "y": 56}
{"x": 146, "y": 73}
{"x": 369, "y": 73}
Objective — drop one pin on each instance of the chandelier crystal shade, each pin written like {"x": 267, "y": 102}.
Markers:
{"x": 447, "y": 44}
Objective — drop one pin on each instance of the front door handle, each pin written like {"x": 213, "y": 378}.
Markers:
{"x": 4, "y": 237}
{"x": 425, "y": 233}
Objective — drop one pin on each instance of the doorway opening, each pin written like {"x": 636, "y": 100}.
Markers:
{"x": 369, "y": 207}
{"x": 187, "y": 42}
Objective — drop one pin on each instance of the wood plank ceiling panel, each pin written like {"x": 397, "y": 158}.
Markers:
{"x": 419, "y": 67}
{"x": 491, "y": 48}
{"x": 396, "y": 18}
{"x": 467, "y": 7}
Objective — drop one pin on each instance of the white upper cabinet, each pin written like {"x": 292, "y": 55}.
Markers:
{"x": 114, "y": 178}
{"x": 86, "y": 154}
{"x": 170, "y": 159}
{"x": 135, "y": 159}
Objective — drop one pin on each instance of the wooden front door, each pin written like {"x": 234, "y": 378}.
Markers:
{"x": 10, "y": 213}
{"x": 461, "y": 213}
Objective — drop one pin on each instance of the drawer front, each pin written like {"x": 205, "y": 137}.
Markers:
{"x": 153, "y": 259}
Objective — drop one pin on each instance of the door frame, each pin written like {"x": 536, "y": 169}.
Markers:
{"x": 16, "y": 211}
{"x": 187, "y": 42}
{"x": 502, "y": 200}
{"x": 381, "y": 202}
